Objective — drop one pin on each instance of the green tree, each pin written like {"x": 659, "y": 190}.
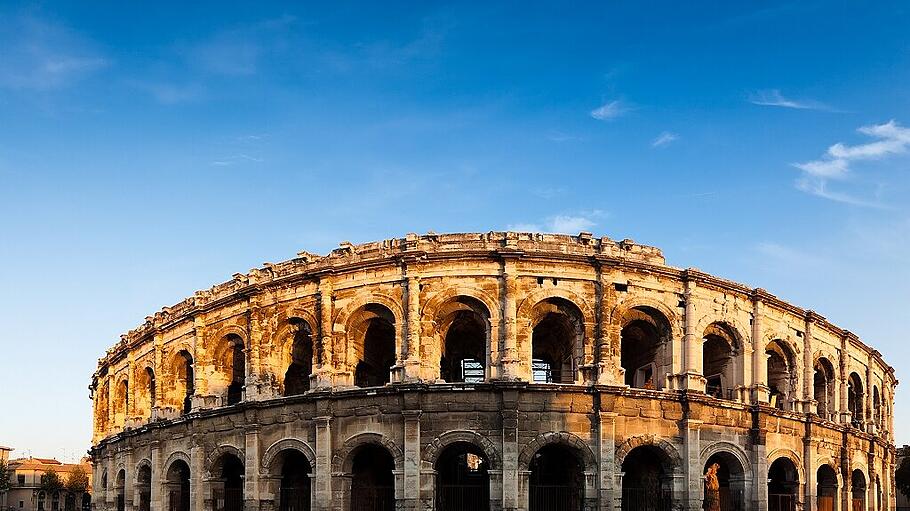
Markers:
{"x": 902, "y": 477}
{"x": 77, "y": 480}
{"x": 5, "y": 475}
{"x": 50, "y": 481}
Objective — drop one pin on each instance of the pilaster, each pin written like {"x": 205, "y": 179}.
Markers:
{"x": 411, "y": 459}
{"x": 692, "y": 377}
{"x": 760, "y": 390}
{"x": 511, "y": 500}
{"x": 325, "y": 352}
{"x": 511, "y": 359}
{"x": 322, "y": 487}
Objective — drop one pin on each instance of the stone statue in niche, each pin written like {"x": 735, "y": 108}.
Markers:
{"x": 712, "y": 489}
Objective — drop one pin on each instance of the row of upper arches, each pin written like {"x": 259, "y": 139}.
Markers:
{"x": 460, "y": 342}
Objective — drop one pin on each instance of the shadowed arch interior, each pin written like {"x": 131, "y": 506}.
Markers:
{"x": 719, "y": 355}
{"x": 783, "y": 485}
{"x": 729, "y": 492}
{"x": 781, "y": 374}
{"x": 646, "y": 483}
{"x": 373, "y": 336}
{"x": 642, "y": 341}
{"x": 178, "y": 486}
{"x": 826, "y": 491}
{"x": 556, "y": 479}
{"x": 144, "y": 487}
{"x": 823, "y": 388}
{"x": 294, "y": 488}
{"x": 855, "y": 398}
{"x": 372, "y": 479}
{"x": 297, "y": 375}
{"x": 558, "y": 330}
{"x": 465, "y": 324}
{"x": 858, "y": 489}
{"x": 462, "y": 478}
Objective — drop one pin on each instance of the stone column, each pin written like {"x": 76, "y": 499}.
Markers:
{"x": 128, "y": 479}
{"x": 809, "y": 403}
{"x": 158, "y": 497}
{"x": 511, "y": 360}
{"x": 811, "y": 488}
{"x": 609, "y": 494}
{"x": 159, "y": 376}
{"x": 869, "y": 418}
{"x": 845, "y": 416}
{"x": 129, "y": 409}
{"x": 251, "y": 490}
{"x": 197, "y": 474}
{"x": 411, "y": 460}
{"x": 254, "y": 332}
{"x": 693, "y": 468}
{"x": 693, "y": 379}
{"x": 760, "y": 390}
{"x": 322, "y": 487}
{"x": 325, "y": 367}
{"x": 411, "y": 350}
{"x": 510, "y": 452}
{"x": 201, "y": 397}
{"x": 609, "y": 366}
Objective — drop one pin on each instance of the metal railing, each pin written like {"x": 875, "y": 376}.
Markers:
{"x": 555, "y": 497}
{"x": 781, "y": 502}
{"x": 373, "y": 498}
{"x": 642, "y": 499}
{"x": 294, "y": 499}
{"x": 458, "y": 497}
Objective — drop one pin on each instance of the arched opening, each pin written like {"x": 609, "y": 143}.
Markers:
{"x": 294, "y": 488}
{"x": 465, "y": 324}
{"x": 642, "y": 342}
{"x": 227, "y": 489}
{"x": 372, "y": 479}
{"x": 69, "y": 502}
{"x": 858, "y": 490}
{"x": 876, "y": 408}
{"x": 826, "y": 493}
{"x": 119, "y": 486}
{"x": 102, "y": 400}
{"x": 184, "y": 379}
{"x": 725, "y": 483}
{"x": 556, "y": 479}
{"x": 41, "y": 500}
{"x": 230, "y": 368}
{"x": 374, "y": 345}
{"x": 781, "y": 376}
{"x": 878, "y": 494}
{"x": 297, "y": 376}
{"x": 144, "y": 487}
{"x": 149, "y": 388}
{"x": 462, "y": 481}
{"x": 823, "y": 388}
{"x": 783, "y": 484}
{"x": 557, "y": 333}
{"x": 86, "y": 502}
{"x": 646, "y": 480}
{"x": 855, "y": 398}
{"x": 719, "y": 355}
{"x": 178, "y": 486}
{"x": 123, "y": 402}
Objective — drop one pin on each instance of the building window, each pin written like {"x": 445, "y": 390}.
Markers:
{"x": 21, "y": 504}
{"x": 21, "y": 479}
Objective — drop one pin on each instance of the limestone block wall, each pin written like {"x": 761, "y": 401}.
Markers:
{"x": 514, "y": 347}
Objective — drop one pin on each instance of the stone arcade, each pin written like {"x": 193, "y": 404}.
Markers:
{"x": 496, "y": 371}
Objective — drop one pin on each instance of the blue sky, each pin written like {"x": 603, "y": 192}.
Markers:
{"x": 149, "y": 151}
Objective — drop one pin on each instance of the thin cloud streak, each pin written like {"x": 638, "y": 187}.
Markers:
{"x": 664, "y": 139}
{"x": 610, "y": 110}
{"x": 562, "y": 224}
{"x": 773, "y": 97}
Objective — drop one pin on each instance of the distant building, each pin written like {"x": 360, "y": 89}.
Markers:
{"x": 4, "y": 453}
{"x": 26, "y": 491}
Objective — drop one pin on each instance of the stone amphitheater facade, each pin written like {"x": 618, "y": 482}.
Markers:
{"x": 501, "y": 371}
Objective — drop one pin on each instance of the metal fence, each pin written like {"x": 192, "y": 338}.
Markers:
{"x": 555, "y": 497}
{"x": 781, "y": 502}
{"x": 641, "y": 499}
{"x": 458, "y": 497}
{"x": 373, "y": 498}
{"x": 294, "y": 499}
{"x": 227, "y": 499}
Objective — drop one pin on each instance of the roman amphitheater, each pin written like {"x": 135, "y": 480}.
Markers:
{"x": 493, "y": 371}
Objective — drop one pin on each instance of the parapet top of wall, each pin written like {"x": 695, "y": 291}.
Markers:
{"x": 414, "y": 247}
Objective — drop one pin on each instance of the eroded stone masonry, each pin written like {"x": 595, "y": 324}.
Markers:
{"x": 500, "y": 371}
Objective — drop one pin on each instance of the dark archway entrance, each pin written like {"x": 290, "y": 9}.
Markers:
{"x": 783, "y": 483}
{"x": 554, "y": 339}
{"x": 642, "y": 341}
{"x": 462, "y": 481}
{"x": 826, "y": 493}
{"x": 857, "y": 491}
{"x": 556, "y": 480}
{"x": 730, "y": 494}
{"x": 294, "y": 491}
{"x": 372, "y": 480}
{"x": 297, "y": 376}
{"x": 823, "y": 389}
{"x": 144, "y": 488}
{"x": 178, "y": 486}
{"x": 464, "y": 354}
{"x": 374, "y": 341}
{"x": 227, "y": 492}
{"x": 121, "y": 496}
{"x": 646, "y": 484}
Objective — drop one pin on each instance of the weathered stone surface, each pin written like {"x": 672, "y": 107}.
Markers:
{"x": 649, "y": 362}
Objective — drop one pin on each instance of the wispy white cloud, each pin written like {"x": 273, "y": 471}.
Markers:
{"x": 234, "y": 160}
{"x": 664, "y": 138}
{"x": 610, "y": 110}
{"x": 835, "y": 164}
{"x": 41, "y": 55}
{"x": 773, "y": 97}
{"x": 564, "y": 223}
{"x": 170, "y": 93}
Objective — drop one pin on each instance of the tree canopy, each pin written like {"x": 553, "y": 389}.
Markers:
{"x": 5, "y": 475}
{"x": 77, "y": 480}
{"x": 902, "y": 477}
{"x": 51, "y": 481}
